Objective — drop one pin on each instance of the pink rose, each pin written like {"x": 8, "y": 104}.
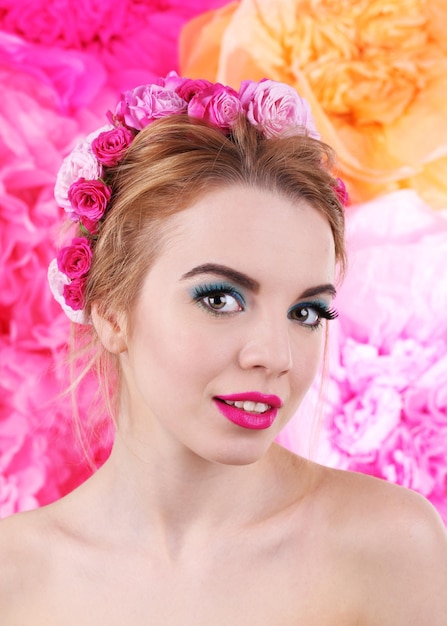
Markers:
{"x": 185, "y": 87}
{"x": 276, "y": 109}
{"x": 189, "y": 88}
{"x": 217, "y": 104}
{"x": 91, "y": 226}
{"x": 58, "y": 282}
{"x": 341, "y": 191}
{"x": 81, "y": 163}
{"x": 146, "y": 103}
{"x": 171, "y": 82}
{"x": 75, "y": 260}
{"x": 74, "y": 294}
{"x": 109, "y": 147}
{"x": 89, "y": 198}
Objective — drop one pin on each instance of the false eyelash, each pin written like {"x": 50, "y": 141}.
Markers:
{"x": 326, "y": 312}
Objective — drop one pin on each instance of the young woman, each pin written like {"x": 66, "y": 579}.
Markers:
{"x": 209, "y": 237}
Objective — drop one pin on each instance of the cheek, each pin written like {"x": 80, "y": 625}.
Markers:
{"x": 307, "y": 359}
{"x": 170, "y": 354}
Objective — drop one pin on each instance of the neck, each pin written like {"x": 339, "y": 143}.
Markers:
{"x": 185, "y": 501}
{"x": 156, "y": 491}
{"x": 179, "y": 485}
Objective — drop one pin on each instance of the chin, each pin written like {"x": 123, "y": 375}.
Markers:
{"x": 240, "y": 454}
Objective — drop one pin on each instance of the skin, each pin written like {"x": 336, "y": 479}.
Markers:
{"x": 194, "y": 520}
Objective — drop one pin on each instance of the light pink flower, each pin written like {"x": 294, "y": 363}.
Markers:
{"x": 216, "y": 104}
{"x": 371, "y": 403}
{"x": 146, "y": 103}
{"x": 81, "y": 163}
{"x": 75, "y": 260}
{"x": 58, "y": 282}
{"x": 276, "y": 109}
{"x": 89, "y": 198}
{"x": 387, "y": 398}
{"x": 110, "y": 146}
{"x": 171, "y": 81}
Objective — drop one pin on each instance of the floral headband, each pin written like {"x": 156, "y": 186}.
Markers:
{"x": 81, "y": 188}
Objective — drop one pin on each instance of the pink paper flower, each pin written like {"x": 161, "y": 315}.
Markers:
{"x": 276, "y": 108}
{"x": 89, "y": 198}
{"x": 216, "y": 104}
{"x": 75, "y": 260}
{"x": 109, "y": 146}
{"x": 146, "y": 103}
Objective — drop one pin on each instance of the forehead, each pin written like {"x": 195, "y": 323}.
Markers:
{"x": 254, "y": 230}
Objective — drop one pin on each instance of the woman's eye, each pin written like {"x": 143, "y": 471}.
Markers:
{"x": 221, "y": 303}
{"x": 312, "y": 314}
{"x": 218, "y": 299}
{"x": 306, "y": 315}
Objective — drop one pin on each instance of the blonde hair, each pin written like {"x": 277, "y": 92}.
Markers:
{"x": 170, "y": 165}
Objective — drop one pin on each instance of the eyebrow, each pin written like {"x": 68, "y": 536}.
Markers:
{"x": 222, "y": 270}
{"x": 319, "y": 290}
{"x": 250, "y": 283}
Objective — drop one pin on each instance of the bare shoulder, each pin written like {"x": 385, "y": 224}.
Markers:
{"x": 382, "y": 502}
{"x": 398, "y": 544}
{"x": 23, "y": 555}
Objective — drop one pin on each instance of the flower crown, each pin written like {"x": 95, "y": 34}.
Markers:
{"x": 81, "y": 189}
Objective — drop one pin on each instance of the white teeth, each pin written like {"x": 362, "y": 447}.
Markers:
{"x": 250, "y": 407}
{"x": 261, "y": 407}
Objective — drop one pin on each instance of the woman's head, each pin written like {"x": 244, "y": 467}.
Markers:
{"x": 150, "y": 165}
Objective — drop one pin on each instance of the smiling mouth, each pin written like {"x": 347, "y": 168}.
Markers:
{"x": 256, "y": 408}
{"x": 247, "y": 414}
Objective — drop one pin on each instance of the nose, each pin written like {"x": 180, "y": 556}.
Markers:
{"x": 267, "y": 345}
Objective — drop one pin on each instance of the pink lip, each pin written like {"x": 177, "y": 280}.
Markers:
{"x": 244, "y": 419}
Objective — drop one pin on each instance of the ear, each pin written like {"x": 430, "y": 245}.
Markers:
{"x": 111, "y": 330}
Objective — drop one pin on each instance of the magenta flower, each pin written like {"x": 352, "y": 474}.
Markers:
{"x": 89, "y": 198}
{"x": 146, "y": 103}
{"x": 216, "y": 104}
{"x": 109, "y": 147}
{"x": 75, "y": 260}
{"x": 92, "y": 226}
{"x": 276, "y": 109}
{"x": 74, "y": 294}
{"x": 58, "y": 281}
{"x": 341, "y": 191}
{"x": 189, "y": 88}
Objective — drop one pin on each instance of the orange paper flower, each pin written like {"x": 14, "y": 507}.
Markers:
{"x": 374, "y": 72}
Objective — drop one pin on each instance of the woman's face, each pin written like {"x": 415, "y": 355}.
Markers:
{"x": 227, "y": 333}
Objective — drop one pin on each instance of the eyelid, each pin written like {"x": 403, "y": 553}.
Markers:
{"x": 320, "y": 306}
{"x": 207, "y": 289}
